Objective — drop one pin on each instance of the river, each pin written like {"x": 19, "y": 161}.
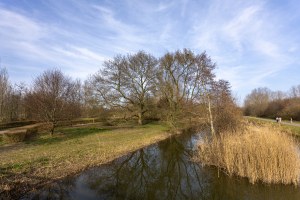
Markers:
{"x": 161, "y": 171}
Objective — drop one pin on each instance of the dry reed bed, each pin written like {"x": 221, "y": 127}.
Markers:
{"x": 260, "y": 153}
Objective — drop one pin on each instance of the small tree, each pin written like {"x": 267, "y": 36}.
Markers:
{"x": 51, "y": 98}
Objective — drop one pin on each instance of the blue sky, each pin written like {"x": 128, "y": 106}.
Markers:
{"x": 254, "y": 43}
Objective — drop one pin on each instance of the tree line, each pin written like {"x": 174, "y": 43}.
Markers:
{"x": 179, "y": 85}
{"x": 262, "y": 102}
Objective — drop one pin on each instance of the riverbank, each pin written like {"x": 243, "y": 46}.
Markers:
{"x": 43, "y": 159}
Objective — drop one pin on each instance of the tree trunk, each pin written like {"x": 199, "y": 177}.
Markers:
{"x": 140, "y": 118}
{"x": 211, "y": 120}
{"x": 52, "y": 130}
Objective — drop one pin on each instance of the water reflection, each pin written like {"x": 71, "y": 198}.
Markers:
{"x": 160, "y": 171}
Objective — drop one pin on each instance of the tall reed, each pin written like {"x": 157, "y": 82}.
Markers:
{"x": 258, "y": 153}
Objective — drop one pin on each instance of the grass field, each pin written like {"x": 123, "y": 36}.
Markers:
{"x": 43, "y": 158}
{"x": 287, "y": 121}
{"x": 292, "y": 129}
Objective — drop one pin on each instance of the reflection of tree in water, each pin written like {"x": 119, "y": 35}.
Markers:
{"x": 150, "y": 173}
{"x": 58, "y": 190}
{"x": 161, "y": 171}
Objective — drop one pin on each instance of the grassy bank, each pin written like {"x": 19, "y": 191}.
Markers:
{"x": 257, "y": 152}
{"x": 287, "y": 121}
{"x": 42, "y": 159}
{"x": 294, "y": 130}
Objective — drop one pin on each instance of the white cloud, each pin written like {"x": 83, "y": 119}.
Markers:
{"x": 250, "y": 41}
{"x": 87, "y": 53}
{"x": 18, "y": 27}
{"x": 162, "y": 6}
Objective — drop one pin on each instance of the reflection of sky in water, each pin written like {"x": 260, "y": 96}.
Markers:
{"x": 161, "y": 171}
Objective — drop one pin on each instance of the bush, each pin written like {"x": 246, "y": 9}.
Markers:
{"x": 92, "y": 128}
{"x": 14, "y": 136}
{"x": 107, "y": 124}
{"x": 31, "y": 130}
{"x": 95, "y": 128}
{"x": 19, "y": 134}
{"x": 258, "y": 153}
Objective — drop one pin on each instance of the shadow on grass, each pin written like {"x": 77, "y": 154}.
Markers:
{"x": 1, "y": 140}
{"x": 63, "y": 135}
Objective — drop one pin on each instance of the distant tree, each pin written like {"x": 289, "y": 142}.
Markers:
{"x": 275, "y": 107}
{"x": 73, "y": 101}
{"x": 257, "y": 101}
{"x": 10, "y": 99}
{"x": 53, "y": 98}
{"x": 4, "y": 90}
{"x": 294, "y": 92}
{"x": 127, "y": 82}
{"x": 278, "y": 95}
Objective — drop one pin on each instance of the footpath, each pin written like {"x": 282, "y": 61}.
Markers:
{"x": 270, "y": 120}
{"x": 1, "y": 132}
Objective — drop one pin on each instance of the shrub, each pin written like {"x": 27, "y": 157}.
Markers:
{"x": 107, "y": 124}
{"x": 95, "y": 128}
{"x": 14, "y": 136}
{"x": 258, "y": 153}
{"x": 31, "y": 130}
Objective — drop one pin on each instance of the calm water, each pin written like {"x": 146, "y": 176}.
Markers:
{"x": 161, "y": 171}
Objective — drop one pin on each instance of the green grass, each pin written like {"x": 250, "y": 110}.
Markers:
{"x": 287, "y": 121}
{"x": 43, "y": 138}
{"x": 1, "y": 140}
{"x": 294, "y": 129}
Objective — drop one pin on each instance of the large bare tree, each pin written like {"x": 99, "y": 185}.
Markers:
{"x": 185, "y": 81}
{"x": 127, "y": 82}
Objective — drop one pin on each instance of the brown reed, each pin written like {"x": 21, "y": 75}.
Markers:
{"x": 259, "y": 153}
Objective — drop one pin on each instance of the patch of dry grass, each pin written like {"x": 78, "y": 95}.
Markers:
{"x": 45, "y": 159}
{"x": 260, "y": 153}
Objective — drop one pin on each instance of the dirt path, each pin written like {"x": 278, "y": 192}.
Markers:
{"x": 291, "y": 124}
{"x": 3, "y": 131}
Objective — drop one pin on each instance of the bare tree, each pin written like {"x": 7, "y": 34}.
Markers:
{"x": 127, "y": 82}
{"x": 177, "y": 84}
{"x": 51, "y": 98}
{"x": 295, "y": 92}
{"x": 185, "y": 81}
{"x": 10, "y": 99}
{"x": 4, "y": 87}
{"x": 73, "y": 101}
{"x": 257, "y": 101}
{"x": 206, "y": 83}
